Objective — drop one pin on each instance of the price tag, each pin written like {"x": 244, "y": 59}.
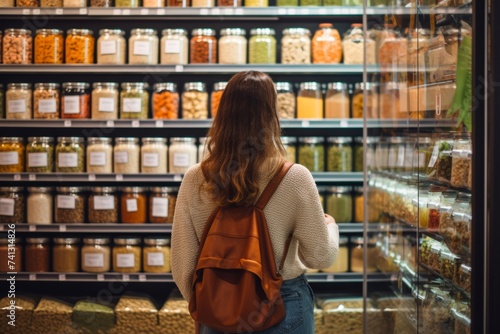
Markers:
{"x": 100, "y": 277}
{"x": 59, "y": 11}
{"x": 126, "y": 277}
{"x": 83, "y": 11}
{"x": 204, "y": 11}
{"x": 142, "y": 277}
{"x": 119, "y": 177}
{"x": 62, "y": 277}
{"x": 36, "y": 11}
{"x": 136, "y": 124}
{"x": 305, "y": 124}
{"x": 117, "y": 12}
{"x": 304, "y": 11}
{"x": 160, "y": 11}
{"x": 329, "y": 277}
{"x": 177, "y": 178}
{"x": 159, "y": 124}
{"x": 281, "y": 11}
{"x": 292, "y": 11}
{"x": 322, "y": 11}
{"x": 228, "y": 11}
{"x": 126, "y": 12}
{"x": 91, "y": 177}
{"x": 32, "y": 277}
{"x": 32, "y": 177}
{"x": 32, "y": 228}
{"x": 238, "y": 11}
{"x": 62, "y": 228}
{"x": 215, "y": 11}
{"x": 144, "y": 11}
{"x": 343, "y": 124}
{"x": 110, "y": 124}
{"x": 26, "y": 12}
{"x": 67, "y": 123}
{"x": 179, "y": 68}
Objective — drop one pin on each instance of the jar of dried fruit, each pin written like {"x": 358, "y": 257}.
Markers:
{"x": 216, "y": 96}
{"x": 165, "y": 101}
{"x": 17, "y": 46}
{"x": 326, "y": 45}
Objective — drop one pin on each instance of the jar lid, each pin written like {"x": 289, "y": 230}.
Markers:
{"x": 336, "y": 86}
{"x": 37, "y": 240}
{"x": 96, "y": 241}
{"x": 12, "y": 139}
{"x": 40, "y": 189}
{"x": 11, "y": 189}
{"x": 66, "y": 241}
{"x": 369, "y": 140}
{"x": 156, "y": 241}
{"x": 365, "y": 85}
{"x": 99, "y": 140}
{"x": 69, "y": 189}
{"x": 326, "y": 25}
{"x": 70, "y": 139}
{"x": 154, "y": 140}
{"x": 104, "y": 190}
{"x": 165, "y": 32}
{"x": 189, "y": 140}
{"x": 288, "y": 140}
{"x": 111, "y": 32}
{"x": 127, "y": 241}
{"x": 232, "y": 32}
{"x": 164, "y": 189}
{"x": 296, "y": 31}
{"x": 126, "y": 140}
{"x": 22, "y": 85}
{"x": 143, "y": 85}
{"x": 140, "y": 31}
{"x": 343, "y": 240}
{"x": 76, "y": 85}
{"x": 339, "y": 190}
{"x": 168, "y": 86}
{"x": 199, "y": 86}
{"x": 79, "y": 32}
{"x": 134, "y": 189}
{"x": 17, "y": 31}
{"x": 48, "y": 85}
{"x": 310, "y": 86}
{"x": 361, "y": 241}
{"x": 105, "y": 84}
{"x": 203, "y": 32}
{"x": 339, "y": 140}
{"x": 287, "y": 86}
{"x": 311, "y": 140}
{"x": 262, "y": 31}
{"x": 220, "y": 85}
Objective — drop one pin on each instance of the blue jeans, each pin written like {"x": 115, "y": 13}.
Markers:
{"x": 298, "y": 298}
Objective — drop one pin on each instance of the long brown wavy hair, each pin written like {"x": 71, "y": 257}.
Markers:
{"x": 244, "y": 137}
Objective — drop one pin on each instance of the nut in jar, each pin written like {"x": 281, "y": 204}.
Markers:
{"x": 17, "y": 46}
{"x": 46, "y": 99}
{"x": 296, "y": 46}
{"x": 18, "y": 101}
{"x": 194, "y": 101}
{"x": 203, "y": 46}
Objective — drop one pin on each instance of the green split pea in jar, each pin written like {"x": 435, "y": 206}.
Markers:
{"x": 312, "y": 153}
{"x": 339, "y": 154}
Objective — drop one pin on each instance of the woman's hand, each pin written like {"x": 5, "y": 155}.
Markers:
{"x": 329, "y": 219}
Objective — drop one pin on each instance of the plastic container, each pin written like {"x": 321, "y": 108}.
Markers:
{"x": 341, "y": 264}
{"x": 296, "y": 46}
{"x": 66, "y": 255}
{"x": 134, "y": 100}
{"x": 126, "y": 155}
{"x": 69, "y": 207}
{"x": 99, "y": 155}
{"x": 12, "y": 154}
{"x": 354, "y": 46}
{"x": 233, "y": 46}
{"x": 312, "y": 153}
{"x": 18, "y": 101}
{"x": 37, "y": 255}
{"x": 290, "y": 144}
{"x": 127, "y": 255}
{"x": 461, "y": 163}
{"x": 310, "y": 101}
{"x": 216, "y": 96}
{"x": 12, "y": 205}
{"x": 174, "y": 46}
{"x": 70, "y": 155}
{"x": 203, "y": 46}
{"x": 46, "y": 101}
{"x": 154, "y": 156}
{"x": 339, "y": 204}
{"x": 143, "y": 47}
{"x": 49, "y": 46}
{"x": 133, "y": 205}
{"x": 103, "y": 206}
{"x": 39, "y": 206}
{"x": 182, "y": 154}
{"x": 40, "y": 155}
{"x": 79, "y": 46}
{"x": 75, "y": 102}
{"x": 111, "y": 47}
{"x": 337, "y": 102}
{"x": 262, "y": 46}
{"x": 339, "y": 154}
{"x": 105, "y": 100}
{"x": 326, "y": 45}
{"x": 96, "y": 255}
{"x": 165, "y": 101}
{"x": 156, "y": 255}
{"x": 194, "y": 101}
{"x": 17, "y": 46}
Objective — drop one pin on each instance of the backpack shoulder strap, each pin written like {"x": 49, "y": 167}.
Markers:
{"x": 273, "y": 185}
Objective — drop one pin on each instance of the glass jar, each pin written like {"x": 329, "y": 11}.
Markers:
{"x": 216, "y": 96}
{"x": 162, "y": 205}
{"x": 337, "y": 102}
{"x": 359, "y": 207}
{"x": 296, "y": 46}
{"x": 359, "y": 154}
{"x": 111, "y": 47}
{"x": 51, "y": 3}
{"x": 99, "y": 155}
{"x": 286, "y": 100}
{"x": 310, "y": 2}
{"x": 357, "y": 255}
{"x": 153, "y": 3}
{"x": 354, "y": 46}
{"x": 256, "y": 3}
{"x": 202, "y": 3}
{"x": 75, "y": 100}
{"x": 262, "y": 46}
{"x": 11, "y": 249}
{"x": 66, "y": 255}
{"x": 287, "y": 3}
{"x": 165, "y": 101}
{"x": 70, "y": 155}
{"x": 174, "y": 46}
{"x": 461, "y": 163}
{"x": 341, "y": 264}
{"x": 156, "y": 255}
{"x": 462, "y": 219}
{"x": 79, "y": 46}
{"x": 339, "y": 203}
{"x": 133, "y": 205}
{"x": 134, "y": 100}
{"x": 70, "y": 206}
{"x": 126, "y": 156}
{"x": 39, "y": 206}
{"x": 391, "y": 46}
{"x": 18, "y": 101}
{"x": 37, "y": 255}
{"x": 395, "y": 159}
{"x": 202, "y": 150}
{"x": 75, "y": 3}
{"x": 6, "y": 4}
{"x": 102, "y": 3}
{"x": 310, "y": 101}
{"x": 154, "y": 156}
{"x": 143, "y": 47}
{"x": 312, "y": 153}
{"x": 2, "y": 95}
{"x": 127, "y": 3}
{"x": 46, "y": 100}
{"x": 326, "y": 45}
{"x": 11, "y": 154}
{"x": 96, "y": 255}
{"x": 357, "y": 102}
{"x": 105, "y": 100}
{"x": 127, "y": 255}
{"x": 339, "y": 154}
{"x": 103, "y": 206}
{"x": 440, "y": 163}
{"x": 203, "y": 48}
{"x": 290, "y": 144}
{"x": 49, "y": 46}
{"x": 40, "y": 155}
{"x": 194, "y": 101}
{"x": 178, "y": 3}
{"x": 182, "y": 154}
{"x": 232, "y": 46}
{"x": 446, "y": 226}
{"x": 422, "y": 154}
{"x": 229, "y": 3}
{"x": 17, "y": 46}
{"x": 12, "y": 205}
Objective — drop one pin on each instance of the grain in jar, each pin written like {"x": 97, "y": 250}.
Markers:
{"x": 178, "y": 3}
{"x": 154, "y": 156}
{"x": 46, "y": 101}
{"x": 69, "y": 206}
{"x": 111, "y": 47}
{"x": 326, "y": 45}
{"x": 203, "y": 46}
{"x": 11, "y": 154}
{"x": 174, "y": 46}
{"x": 286, "y": 100}
{"x": 127, "y": 255}
{"x": 102, "y": 3}
{"x": 156, "y": 255}
{"x": 12, "y": 205}
{"x": 96, "y": 255}
{"x": 310, "y": 2}
{"x": 37, "y": 255}
{"x": 153, "y": 3}
{"x": 312, "y": 153}
{"x": 70, "y": 155}
{"x": 339, "y": 154}
{"x": 143, "y": 47}
{"x": 75, "y": 102}
{"x": 181, "y": 154}
{"x": 66, "y": 255}
{"x": 232, "y": 46}
{"x": 105, "y": 100}
{"x": 262, "y": 46}
{"x": 74, "y": 3}
{"x": 341, "y": 264}
{"x": 99, "y": 155}
{"x": 256, "y": 3}
{"x": 202, "y": 149}
{"x": 9, "y": 247}
{"x": 39, "y": 206}
{"x": 133, "y": 205}
{"x": 51, "y": 3}
{"x": 79, "y": 46}
{"x": 337, "y": 102}
{"x": 194, "y": 101}
{"x": 127, "y": 3}
{"x": 461, "y": 163}
{"x": 49, "y": 46}
{"x": 296, "y": 46}
{"x": 162, "y": 205}
{"x": 126, "y": 155}
{"x": 216, "y": 96}
{"x": 17, "y": 46}
{"x": 18, "y": 101}
{"x": 339, "y": 203}
{"x": 134, "y": 100}
{"x": 202, "y": 3}
{"x": 290, "y": 144}
{"x": 310, "y": 101}
{"x": 357, "y": 255}
{"x": 165, "y": 101}
{"x": 287, "y": 3}
{"x": 7, "y": 3}
{"x": 103, "y": 206}
{"x": 354, "y": 46}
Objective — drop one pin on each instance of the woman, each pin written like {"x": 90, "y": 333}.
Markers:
{"x": 244, "y": 152}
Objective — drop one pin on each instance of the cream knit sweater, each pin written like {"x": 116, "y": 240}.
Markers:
{"x": 294, "y": 208}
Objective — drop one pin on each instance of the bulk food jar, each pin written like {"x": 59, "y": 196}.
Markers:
{"x": 17, "y": 46}
{"x": 79, "y": 46}
{"x": 194, "y": 101}
{"x": 354, "y": 46}
{"x": 178, "y": 3}
{"x": 310, "y": 101}
{"x": 216, "y": 96}
{"x": 75, "y": 102}
{"x": 390, "y": 101}
{"x": 127, "y": 3}
{"x": 70, "y": 204}
{"x": 11, "y": 154}
{"x": 229, "y": 3}
{"x": 143, "y": 47}
{"x": 105, "y": 100}
{"x": 96, "y": 255}
{"x": 461, "y": 163}
{"x": 18, "y": 101}
{"x": 418, "y": 44}
{"x": 7, "y": 247}
{"x": 174, "y": 46}
{"x": 111, "y": 47}
{"x": 391, "y": 47}
{"x": 134, "y": 100}
{"x": 232, "y": 46}
{"x": 133, "y": 205}
{"x": 339, "y": 154}
{"x": 162, "y": 205}
{"x": 359, "y": 154}
{"x": 358, "y": 100}
{"x": 102, "y": 3}
{"x": 75, "y": 3}
{"x": 66, "y": 255}
{"x": 357, "y": 255}
{"x": 181, "y": 154}
{"x": 126, "y": 155}
{"x": 339, "y": 203}
{"x": 341, "y": 264}
{"x": 203, "y": 46}
{"x": 127, "y": 255}
{"x": 440, "y": 164}
{"x": 51, "y": 3}
{"x": 154, "y": 156}
{"x": 165, "y": 101}
{"x": 337, "y": 102}
{"x": 39, "y": 206}
{"x": 2, "y": 96}
{"x": 202, "y": 3}
{"x": 37, "y": 255}
{"x": 49, "y": 46}
{"x": 296, "y": 46}
{"x": 326, "y": 45}
{"x": 40, "y": 155}
{"x": 256, "y": 3}
{"x": 310, "y": 2}
{"x": 290, "y": 144}
{"x": 312, "y": 153}
{"x": 70, "y": 155}
{"x": 12, "y": 205}
{"x": 156, "y": 255}
{"x": 262, "y": 46}
{"x": 46, "y": 101}
{"x": 103, "y": 206}
{"x": 153, "y": 3}
{"x": 99, "y": 155}
{"x": 286, "y": 100}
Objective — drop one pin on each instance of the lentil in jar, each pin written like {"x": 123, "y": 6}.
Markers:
{"x": 66, "y": 255}
{"x": 70, "y": 155}
{"x": 339, "y": 204}
{"x": 7, "y": 248}
{"x": 12, "y": 205}
{"x": 156, "y": 255}
{"x": 103, "y": 206}
{"x": 127, "y": 255}
{"x": 339, "y": 154}
{"x": 134, "y": 100}
{"x": 311, "y": 153}
{"x": 96, "y": 255}
{"x": 69, "y": 206}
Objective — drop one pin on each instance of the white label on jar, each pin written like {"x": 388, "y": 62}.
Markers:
{"x": 121, "y": 157}
{"x": 108, "y": 47}
{"x": 7, "y": 207}
{"x": 181, "y": 159}
{"x": 106, "y": 104}
{"x": 156, "y": 259}
{"x": 37, "y": 160}
{"x": 132, "y": 205}
{"x": 97, "y": 158}
{"x": 17, "y": 106}
{"x": 66, "y": 202}
{"x": 132, "y": 104}
{"x": 434, "y": 156}
{"x": 125, "y": 260}
{"x": 421, "y": 160}
{"x": 401, "y": 156}
{"x": 47, "y": 106}
{"x": 9, "y": 158}
{"x": 93, "y": 260}
{"x": 141, "y": 48}
{"x": 68, "y": 159}
{"x": 150, "y": 159}
{"x": 104, "y": 203}
{"x": 172, "y": 46}
{"x": 160, "y": 207}
{"x": 71, "y": 104}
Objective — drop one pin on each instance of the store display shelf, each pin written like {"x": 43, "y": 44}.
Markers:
{"x": 90, "y": 228}
{"x": 351, "y": 277}
{"x": 409, "y": 176}
{"x": 410, "y": 123}
{"x": 444, "y": 279}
